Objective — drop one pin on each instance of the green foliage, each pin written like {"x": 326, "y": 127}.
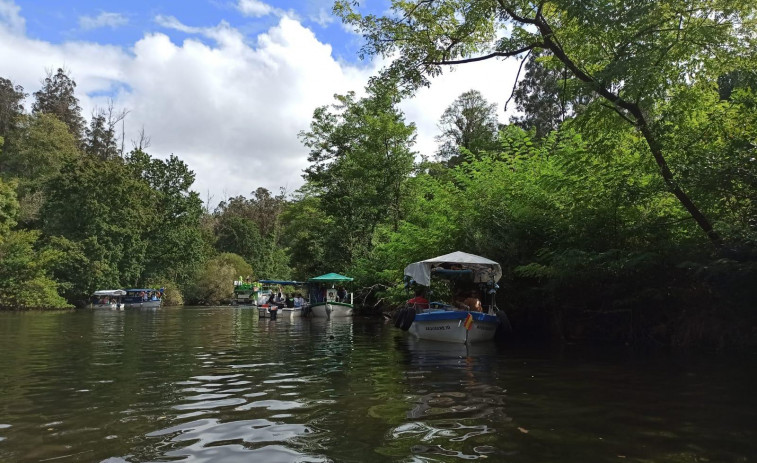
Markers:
{"x": 57, "y": 97}
{"x": 24, "y": 282}
{"x": 360, "y": 154}
{"x": 633, "y": 58}
{"x": 114, "y": 222}
{"x": 213, "y": 283}
{"x": 470, "y": 122}
{"x": 176, "y": 244}
{"x": 11, "y": 105}
{"x": 8, "y": 206}
{"x": 100, "y": 137}
{"x": 34, "y": 153}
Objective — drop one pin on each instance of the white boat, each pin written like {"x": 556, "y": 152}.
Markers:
{"x": 262, "y": 301}
{"x": 442, "y": 322}
{"x": 107, "y": 299}
{"x": 325, "y": 299}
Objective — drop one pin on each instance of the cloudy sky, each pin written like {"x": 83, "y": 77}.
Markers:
{"x": 226, "y": 85}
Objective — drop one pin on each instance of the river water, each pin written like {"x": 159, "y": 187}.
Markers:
{"x": 220, "y": 385}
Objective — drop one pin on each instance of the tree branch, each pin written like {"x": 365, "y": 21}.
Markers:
{"x": 517, "y": 76}
{"x": 496, "y": 54}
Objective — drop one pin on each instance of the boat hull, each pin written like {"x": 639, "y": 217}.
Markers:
{"x": 142, "y": 305}
{"x": 449, "y": 326}
{"x": 288, "y": 312}
{"x": 331, "y": 310}
{"x": 112, "y": 305}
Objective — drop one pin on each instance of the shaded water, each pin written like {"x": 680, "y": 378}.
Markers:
{"x": 220, "y": 385}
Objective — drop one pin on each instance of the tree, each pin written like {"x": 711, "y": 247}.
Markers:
{"x": 108, "y": 210}
{"x": 8, "y": 206}
{"x": 34, "y": 153}
{"x": 546, "y": 95}
{"x": 214, "y": 282}
{"x": 11, "y": 105}
{"x": 470, "y": 122}
{"x": 100, "y": 140}
{"x": 175, "y": 242}
{"x": 634, "y": 70}
{"x": 57, "y": 97}
{"x": 361, "y": 157}
{"x": 24, "y": 279}
{"x": 252, "y": 228}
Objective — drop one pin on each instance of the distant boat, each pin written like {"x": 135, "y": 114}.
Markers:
{"x": 282, "y": 308}
{"x": 250, "y": 293}
{"x": 325, "y": 298}
{"x": 107, "y": 299}
{"x": 143, "y": 298}
{"x": 438, "y": 321}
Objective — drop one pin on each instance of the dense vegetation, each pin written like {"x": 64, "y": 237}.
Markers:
{"x": 621, "y": 201}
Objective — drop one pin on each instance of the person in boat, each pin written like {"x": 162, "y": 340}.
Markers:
{"x": 341, "y": 294}
{"x": 418, "y": 302}
{"x": 473, "y": 302}
{"x": 288, "y": 301}
{"x": 298, "y": 300}
{"x": 279, "y": 299}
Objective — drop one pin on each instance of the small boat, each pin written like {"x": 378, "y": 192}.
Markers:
{"x": 288, "y": 308}
{"x": 246, "y": 293}
{"x": 107, "y": 299}
{"x": 328, "y": 297}
{"x": 438, "y": 321}
{"x": 143, "y": 298}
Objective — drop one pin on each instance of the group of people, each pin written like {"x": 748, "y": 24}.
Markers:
{"x": 463, "y": 300}
{"x": 281, "y": 300}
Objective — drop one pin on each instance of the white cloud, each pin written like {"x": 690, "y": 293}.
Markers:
{"x": 230, "y": 109}
{"x": 256, "y": 8}
{"x": 323, "y": 19}
{"x": 10, "y": 16}
{"x": 104, "y": 19}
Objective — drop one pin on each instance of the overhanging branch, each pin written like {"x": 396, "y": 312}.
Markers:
{"x": 496, "y": 54}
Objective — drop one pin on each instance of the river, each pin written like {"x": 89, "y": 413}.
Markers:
{"x": 220, "y": 385}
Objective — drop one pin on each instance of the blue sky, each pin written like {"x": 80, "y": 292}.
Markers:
{"x": 226, "y": 85}
{"x": 124, "y": 23}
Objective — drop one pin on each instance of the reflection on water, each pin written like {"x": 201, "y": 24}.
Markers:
{"x": 221, "y": 385}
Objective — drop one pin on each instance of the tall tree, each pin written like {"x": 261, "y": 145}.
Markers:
{"x": 11, "y": 105}
{"x": 57, "y": 97}
{"x": 361, "y": 156}
{"x": 470, "y": 122}
{"x": 546, "y": 95}
{"x": 100, "y": 140}
{"x": 634, "y": 57}
{"x": 174, "y": 241}
{"x": 34, "y": 153}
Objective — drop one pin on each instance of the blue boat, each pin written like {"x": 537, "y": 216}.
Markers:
{"x": 143, "y": 298}
{"x": 437, "y": 321}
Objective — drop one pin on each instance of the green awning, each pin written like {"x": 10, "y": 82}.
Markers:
{"x": 330, "y": 278}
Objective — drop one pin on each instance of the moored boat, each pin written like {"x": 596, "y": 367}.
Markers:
{"x": 448, "y": 323}
{"x": 107, "y": 299}
{"x": 328, "y": 297}
{"x": 277, "y": 301}
{"x": 143, "y": 298}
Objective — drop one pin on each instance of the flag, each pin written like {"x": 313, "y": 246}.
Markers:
{"x": 468, "y": 322}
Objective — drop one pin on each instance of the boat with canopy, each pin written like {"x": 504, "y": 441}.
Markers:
{"x": 439, "y": 321}
{"x": 143, "y": 298}
{"x": 329, "y": 297}
{"x": 287, "y": 306}
{"x": 107, "y": 299}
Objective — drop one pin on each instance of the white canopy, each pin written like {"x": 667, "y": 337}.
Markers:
{"x": 110, "y": 292}
{"x": 484, "y": 270}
